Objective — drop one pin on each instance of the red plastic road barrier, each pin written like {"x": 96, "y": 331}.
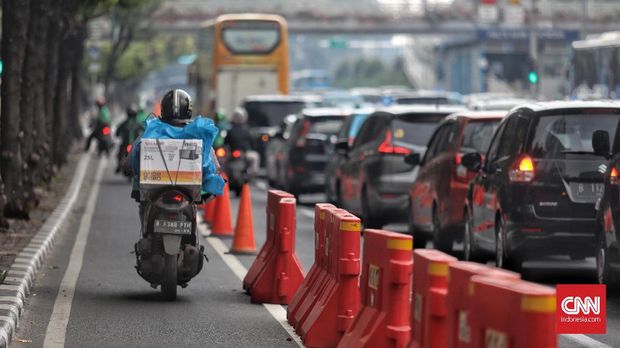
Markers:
{"x": 336, "y": 306}
{"x": 266, "y": 252}
{"x": 509, "y": 313}
{"x": 428, "y": 305}
{"x": 307, "y": 293}
{"x": 281, "y": 273}
{"x": 383, "y": 320}
{"x": 459, "y": 299}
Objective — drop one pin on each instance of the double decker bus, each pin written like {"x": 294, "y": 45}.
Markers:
{"x": 239, "y": 55}
{"x": 595, "y": 67}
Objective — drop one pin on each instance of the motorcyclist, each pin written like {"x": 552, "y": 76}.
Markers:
{"x": 239, "y": 138}
{"x": 128, "y": 131}
{"x": 176, "y": 122}
{"x": 101, "y": 121}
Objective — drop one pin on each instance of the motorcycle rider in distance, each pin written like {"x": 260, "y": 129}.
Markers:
{"x": 128, "y": 131}
{"x": 176, "y": 122}
{"x": 239, "y": 138}
{"x": 102, "y": 120}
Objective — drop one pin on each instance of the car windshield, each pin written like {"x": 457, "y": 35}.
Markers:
{"x": 326, "y": 125}
{"x": 356, "y": 123}
{"x": 415, "y": 130}
{"x": 477, "y": 135}
{"x": 559, "y": 135}
{"x": 271, "y": 113}
{"x": 427, "y": 101}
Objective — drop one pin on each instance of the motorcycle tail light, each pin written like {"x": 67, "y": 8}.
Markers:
{"x": 174, "y": 198}
{"x": 106, "y": 131}
{"x": 128, "y": 148}
{"x": 236, "y": 154}
{"x": 221, "y": 152}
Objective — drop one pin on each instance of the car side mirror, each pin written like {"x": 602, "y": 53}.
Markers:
{"x": 472, "y": 161}
{"x": 600, "y": 143}
{"x": 413, "y": 159}
{"x": 342, "y": 147}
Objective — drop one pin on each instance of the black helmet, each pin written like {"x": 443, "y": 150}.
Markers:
{"x": 176, "y": 107}
{"x": 132, "y": 110}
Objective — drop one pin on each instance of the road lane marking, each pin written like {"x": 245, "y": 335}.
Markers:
{"x": 57, "y": 326}
{"x": 277, "y": 311}
{"x": 586, "y": 341}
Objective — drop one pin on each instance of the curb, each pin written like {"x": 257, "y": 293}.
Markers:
{"x": 20, "y": 277}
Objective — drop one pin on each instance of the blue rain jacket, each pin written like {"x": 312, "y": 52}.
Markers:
{"x": 200, "y": 128}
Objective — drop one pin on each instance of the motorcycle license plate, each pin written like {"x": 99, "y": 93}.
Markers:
{"x": 172, "y": 227}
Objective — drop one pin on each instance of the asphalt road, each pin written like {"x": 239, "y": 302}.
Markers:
{"x": 113, "y": 307}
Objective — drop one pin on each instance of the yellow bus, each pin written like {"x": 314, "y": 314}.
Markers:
{"x": 239, "y": 55}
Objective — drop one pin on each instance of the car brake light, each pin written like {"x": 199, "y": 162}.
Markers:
{"x": 236, "y": 154}
{"x": 387, "y": 147}
{"x": 221, "y": 152}
{"x": 523, "y": 170}
{"x": 614, "y": 175}
{"x": 106, "y": 131}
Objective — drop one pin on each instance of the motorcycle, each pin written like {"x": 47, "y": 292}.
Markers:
{"x": 237, "y": 168}
{"x": 169, "y": 252}
{"x": 124, "y": 152}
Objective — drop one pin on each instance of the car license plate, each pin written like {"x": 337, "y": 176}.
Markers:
{"x": 172, "y": 227}
{"x": 587, "y": 190}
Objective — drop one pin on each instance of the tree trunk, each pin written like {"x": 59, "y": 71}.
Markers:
{"x": 31, "y": 85}
{"x": 76, "y": 80}
{"x": 61, "y": 117}
{"x": 51, "y": 76}
{"x": 42, "y": 115}
{"x": 15, "y": 32}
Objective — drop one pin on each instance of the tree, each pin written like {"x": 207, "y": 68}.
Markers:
{"x": 14, "y": 35}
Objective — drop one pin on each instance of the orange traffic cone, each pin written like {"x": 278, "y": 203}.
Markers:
{"x": 222, "y": 220}
{"x": 243, "y": 242}
{"x": 208, "y": 211}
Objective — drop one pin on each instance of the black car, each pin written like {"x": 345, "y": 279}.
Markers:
{"x": 348, "y": 132}
{"x": 374, "y": 180}
{"x": 267, "y": 112}
{"x": 535, "y": 192}
{"x": 308, "y": 149}
{"x": 608, "y": 209}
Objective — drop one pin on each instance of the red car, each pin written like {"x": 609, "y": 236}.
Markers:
{"x": 437, "y": 196}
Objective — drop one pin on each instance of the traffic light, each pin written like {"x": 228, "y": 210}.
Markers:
{"x": 532, "y": 72}
{"x": 532, "y": 77}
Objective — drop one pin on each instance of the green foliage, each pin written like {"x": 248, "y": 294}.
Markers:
{"x": 368, "y": 72}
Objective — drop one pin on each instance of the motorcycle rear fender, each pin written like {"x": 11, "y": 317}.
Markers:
{"x": 172, "y": 243}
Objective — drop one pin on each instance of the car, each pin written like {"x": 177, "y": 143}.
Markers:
{"x": 606, "y": 142}
{"x": 309, "y": 148}
{"x": 274, "y": 150}
{"x": 341, "y": 99}
{"x": 535, "y": 191}
{"x": 438, "y": 193}
{"x": 266, "y": 113}
{"x": 499, "y": 104}
{"x": 347, "y": 133}
{"x": 373, "y": 180}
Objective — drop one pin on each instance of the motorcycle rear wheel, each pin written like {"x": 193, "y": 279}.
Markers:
{"x": 169, "y": 279}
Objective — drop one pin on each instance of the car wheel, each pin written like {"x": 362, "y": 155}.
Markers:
{"x": 501, "y": 257}
{"x": 419, "y": 239}
{"x": 470, "y": 250}
{"x": 441, "y": 240}
{"x": 368, "y": 220}
{"x": 604, "y": 275}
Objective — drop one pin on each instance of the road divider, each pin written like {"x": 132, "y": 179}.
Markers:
{"x": 276, "y": 273}
{"x": 460, "y": 296}
{"x": 336, "y": 300}
{"x": 383, "y": 320}
{"x": 305, "y": 298}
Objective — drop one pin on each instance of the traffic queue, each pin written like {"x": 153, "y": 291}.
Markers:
{"x": 539, "y": 180}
